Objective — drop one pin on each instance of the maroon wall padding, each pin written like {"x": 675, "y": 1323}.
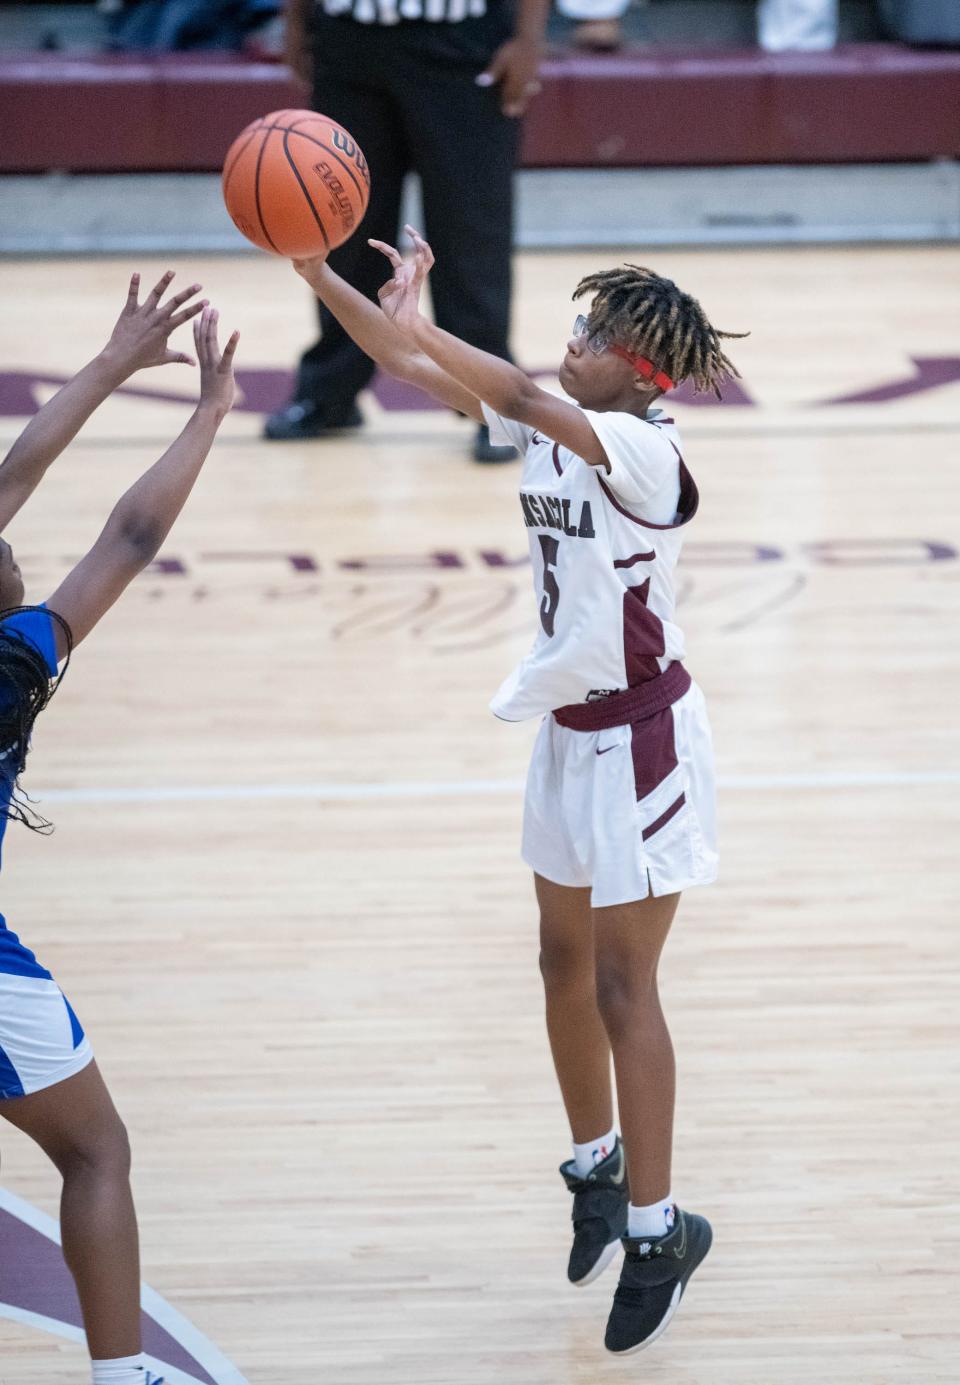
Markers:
{"x": 856, "y": 104}
{"x": 117, "y": 114}
{"x": 859, "y": 103}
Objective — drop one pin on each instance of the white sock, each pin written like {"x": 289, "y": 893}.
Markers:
{"x": 653, "y": 1221}
{"x": 123, "y": 1370}
{"x": 586, "y": 1157}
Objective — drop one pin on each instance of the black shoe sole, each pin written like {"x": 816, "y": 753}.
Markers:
{"x": 672, "y": 1307}
{"x": 311, "y": 426}
{"x": 333, "y": 430}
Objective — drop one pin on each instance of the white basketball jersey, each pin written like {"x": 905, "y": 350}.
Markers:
{"x": 603, "y": 547}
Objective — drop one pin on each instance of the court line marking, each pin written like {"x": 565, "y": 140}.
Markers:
{"x": 54, "y": 1328}
{"x": 206, "y": 1353}
{"x": 798, "y": 429}
{"x": 464, "y": 788}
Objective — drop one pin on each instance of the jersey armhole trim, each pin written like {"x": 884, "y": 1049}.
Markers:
{"x": 687, "y": 507}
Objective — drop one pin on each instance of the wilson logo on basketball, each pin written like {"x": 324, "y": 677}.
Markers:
{"x": 337, "y": 193}
{"x": 343, "y": 142}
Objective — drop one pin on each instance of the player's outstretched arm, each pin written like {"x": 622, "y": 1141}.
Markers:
{"x": 378, "y": 336}
{"x": 143, "y": 517}
{"x": 504, "y": 387}
{"x": 139, "y": 339}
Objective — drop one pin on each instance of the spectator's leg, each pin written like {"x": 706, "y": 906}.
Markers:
{"x": 598, "y": 22}
{"x": 809, "y": 25}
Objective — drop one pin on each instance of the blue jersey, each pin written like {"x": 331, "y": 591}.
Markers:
{"x": 37, "y": 629}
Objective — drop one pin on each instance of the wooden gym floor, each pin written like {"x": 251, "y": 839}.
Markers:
{"x": 284, "y": 891}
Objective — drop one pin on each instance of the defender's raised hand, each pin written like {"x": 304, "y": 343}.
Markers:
{"x": 140, "y": 336}
{"x": 141, "y": 518}
{"x": 217, "y": 386}
{"x": 138, "y": 339}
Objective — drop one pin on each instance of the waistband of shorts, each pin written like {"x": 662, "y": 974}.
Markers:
{"x": 624, "y": 708}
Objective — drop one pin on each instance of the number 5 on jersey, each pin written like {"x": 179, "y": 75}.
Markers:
{"x": 549, "y": 547}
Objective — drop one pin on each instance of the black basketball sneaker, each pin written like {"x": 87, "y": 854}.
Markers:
{"x": 652, "y": 1281}
{"x": 599, "y": 1215}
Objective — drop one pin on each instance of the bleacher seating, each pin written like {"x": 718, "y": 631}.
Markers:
{"x": 857, "y": 103}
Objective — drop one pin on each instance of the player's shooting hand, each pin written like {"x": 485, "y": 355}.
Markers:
{"x": 400, "y": 296}
{"x": 217, "y": 387}
{"x": 309, "y": 268}
{"x": 514, "y": 66}
{"x": 140, "y": 336}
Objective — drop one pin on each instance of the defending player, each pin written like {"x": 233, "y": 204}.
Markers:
{"x": 619, "y": 812}
{"x": 50, "y": 1087}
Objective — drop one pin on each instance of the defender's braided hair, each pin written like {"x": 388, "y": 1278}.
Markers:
{"x": 651, "y": 317}
{"x": 25, "y": 689}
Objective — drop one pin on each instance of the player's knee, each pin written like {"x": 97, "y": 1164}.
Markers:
{"x": 560, "y": 963}
{"x": 622, "y": 996}
{"x": 104, "y": 1151}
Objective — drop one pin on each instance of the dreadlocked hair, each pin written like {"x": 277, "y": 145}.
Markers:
{"x": 25, "y": 689}
{"x": 651, "y": 317}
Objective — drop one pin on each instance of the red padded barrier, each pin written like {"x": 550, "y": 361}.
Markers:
{"x": 859, "y": 103}
{"x": 122, "y": 114}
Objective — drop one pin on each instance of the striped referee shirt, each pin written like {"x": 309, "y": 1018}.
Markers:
{"x": 392, "y": 11}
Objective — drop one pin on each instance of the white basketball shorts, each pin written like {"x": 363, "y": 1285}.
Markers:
{"x": 41, "y": 1041}
{"x": 629, "y": 811}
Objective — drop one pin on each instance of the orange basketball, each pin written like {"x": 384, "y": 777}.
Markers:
{"x": 296, "y": 183}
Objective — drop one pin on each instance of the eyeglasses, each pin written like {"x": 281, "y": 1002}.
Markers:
{"x": 598, "y": 342}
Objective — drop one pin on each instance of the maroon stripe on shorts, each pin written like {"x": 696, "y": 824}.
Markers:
{"x": 664, "y": 818}
{"x": 653, "y": 748}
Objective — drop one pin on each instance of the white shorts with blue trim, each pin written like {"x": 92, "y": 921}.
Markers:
{"x": 626, "y": 812}
{"x": 41, "y": 1040}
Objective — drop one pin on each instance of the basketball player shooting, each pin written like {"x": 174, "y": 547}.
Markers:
{"x": 619, "y": 812}
{"x": 50, "y": 1085}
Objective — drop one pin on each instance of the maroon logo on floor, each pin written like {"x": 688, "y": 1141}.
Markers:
{"x": 262, "y": 391}
{"x": 36, "y": 1289}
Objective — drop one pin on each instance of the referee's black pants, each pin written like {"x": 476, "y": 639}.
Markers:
{"x": 407, "y": 93}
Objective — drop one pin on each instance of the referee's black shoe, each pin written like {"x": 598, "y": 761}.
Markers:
{"x": 302, "y": 420}
{"x": 599, "y": 1215}
{"x": 654, "y": 1276}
